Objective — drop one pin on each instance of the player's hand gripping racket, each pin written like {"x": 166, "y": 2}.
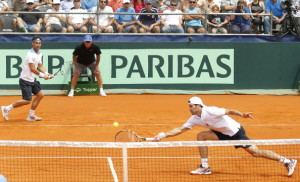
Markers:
{"x": 130, "y": 136}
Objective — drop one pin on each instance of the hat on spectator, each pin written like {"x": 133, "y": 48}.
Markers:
{"x": 56, "y": 1}
{"x": 29, "y": 1}
{"x": 126, "y": 1}
{"x": 87, "y": 38}
{"x": 148, "y": 2}
{"x": 196, "y": 100}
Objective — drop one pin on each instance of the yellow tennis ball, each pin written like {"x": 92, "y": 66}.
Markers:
{"x": 116, "y": 124}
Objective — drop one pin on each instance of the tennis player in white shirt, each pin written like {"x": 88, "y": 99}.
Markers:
{"x": 28, "y": 83}
{"x": 220, "y": 127}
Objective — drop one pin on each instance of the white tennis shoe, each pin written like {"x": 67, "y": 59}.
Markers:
{"x": 5, "y": 113}
{"x": 291, "y": 166}
{"x": 102, "y": 93}
{"x": 33, "y": 118}
{"x": 201, "y": 171}
{"x": 71, "y": 94}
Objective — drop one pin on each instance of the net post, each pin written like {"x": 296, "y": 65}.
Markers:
{"x": 125, "y": 164}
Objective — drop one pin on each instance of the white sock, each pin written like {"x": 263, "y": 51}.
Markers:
{"x": 31, "y": 112}
{"x": 72, "y": 90}
{"x": 101, "y": 89}
{"x": 10, "y": 107}
{"x": 204, "y": 162}
{"x": 284, "y": 160}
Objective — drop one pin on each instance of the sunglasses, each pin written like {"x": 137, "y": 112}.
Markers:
{"x": 56, "y": 4}
{"x": 76, "y": 1}
{"x": 29, "y": 3}
{"x": 173, "y": 4}
{"x": 192, "y": 2}
{"x": 102, "y": 1}
{"x": 215, "y": 9}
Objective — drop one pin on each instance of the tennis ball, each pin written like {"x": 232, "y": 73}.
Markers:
{"x": 116, "y": 124}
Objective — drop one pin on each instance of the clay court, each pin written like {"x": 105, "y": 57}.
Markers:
{"x": 90, "y": 118}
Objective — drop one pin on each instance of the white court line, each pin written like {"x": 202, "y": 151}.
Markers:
{"x": 100, "y": 125}
{"x": 112, "y": 169}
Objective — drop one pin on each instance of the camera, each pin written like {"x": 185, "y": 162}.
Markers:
{"x": 239, "y": 7}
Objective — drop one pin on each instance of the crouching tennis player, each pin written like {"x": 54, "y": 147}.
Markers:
{"x": 221, "y": 127}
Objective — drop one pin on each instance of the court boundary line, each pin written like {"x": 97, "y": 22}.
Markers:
{"x": 112, "y": 169}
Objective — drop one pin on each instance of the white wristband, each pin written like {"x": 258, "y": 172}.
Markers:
{"x": 161, "y": 135}
{"x": 41, "y": 74}
{"x": 46, "y": 73}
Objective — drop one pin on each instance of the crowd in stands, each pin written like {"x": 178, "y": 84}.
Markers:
{"x": 171, "y": 22}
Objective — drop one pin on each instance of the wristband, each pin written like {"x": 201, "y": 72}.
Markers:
{"x": 46, "y": 73}
{"x": 41, "y": 74}
{"x": 161, "y": 135}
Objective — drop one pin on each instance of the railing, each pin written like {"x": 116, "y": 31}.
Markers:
{"x": 99, "y": 13}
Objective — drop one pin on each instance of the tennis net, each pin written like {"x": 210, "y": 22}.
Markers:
{"x": 58, "y": 161}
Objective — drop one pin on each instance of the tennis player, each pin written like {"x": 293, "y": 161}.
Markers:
{"x": 84, "y": 57}
{"x": 28, "y": 83}
{"x": 221, "y": 127}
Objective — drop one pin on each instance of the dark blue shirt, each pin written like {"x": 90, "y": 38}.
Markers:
{"x": 239, "y": 20}
{"x": 148, "y": 19}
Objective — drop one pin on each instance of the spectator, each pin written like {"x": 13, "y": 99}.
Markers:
{"x": 9, "y": 3}
{"x": 55, "y": 22}
{"x": 105, "y": 20}
{"x": 3, "y": 6}
{"x": 88, "y": 4}
{"x": 137, "y": 5}
{"x": 206, "y": 5}
{"x": 241, "y": 23}
{"x": 184, "y": 5}
{"x": 66, "y": 5}
{"x": 39, "y": 3}
{"x": 274, "y": 7}
{"x": 172, "y": 23}
{"x": 31, "y": 22}
{"x": 160, "y": 5}
{"x": 126, "y": 22}
{"x": 77, "y": 22}
{"x": 257, "y": 6}
{"x": 115, "y": 4}
{"x": 18, "y": 5}
{"x": 228, "y": 6}
{"x": 193, "y": 22}
{"x": 149, "y": 23}
{"x": 217, "y": 23}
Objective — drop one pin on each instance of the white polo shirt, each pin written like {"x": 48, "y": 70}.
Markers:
{"x": 31, "y": 57}
{"x": 103, "y": 18}
{"x": 78, "y": 18}
{"x": 52, "y": 19}
{"x": 172, "y": 19}
{"x": 214, "y": 118}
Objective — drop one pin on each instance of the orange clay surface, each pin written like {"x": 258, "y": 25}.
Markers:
{"x": 90, "y": 118}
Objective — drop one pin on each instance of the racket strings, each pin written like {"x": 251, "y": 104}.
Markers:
{"x": 126, "y": 136}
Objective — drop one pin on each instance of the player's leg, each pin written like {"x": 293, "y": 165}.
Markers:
{"x": 37, "y": 91}
{"x": 290, "y": 164}
{"x": 96, "y": 71}
{"x": 204, "y": 166}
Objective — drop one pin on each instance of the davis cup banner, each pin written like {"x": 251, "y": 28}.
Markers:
{"x": 135, "y": 66}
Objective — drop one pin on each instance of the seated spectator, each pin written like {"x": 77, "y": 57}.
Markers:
{"x": 3, "y": 6}
{"x": 105, "y": 20}
{"x": 274, "y": 7}
{"x": 228, "y": 6}
{"x": 241, "y": 23}
{"x": 115, "y": 4}
{"x": 55, "y": 22}
{"x": 193, "y": 22}
{"x": 172, "y": 23}
{"x": 217, "y": 23}
{"x": 39, "y": 3}
{"x": 149, "y": 23}
{"x": 31, "y": 22}
{"x": 137, "y": 5}
{"x": 19, "y": 5}
{"x": 126, "y": 22}
{"x": 88, "y": 4}
{"x": 160, "y": 5}
{"x": 206, "y": 5}
{"x": 184, "y": 5}
{"x": 256, "y": 6}
{"x": 77, "y": 22}
{"x": 9, "y": 3}
{"x": 66, "y": 5}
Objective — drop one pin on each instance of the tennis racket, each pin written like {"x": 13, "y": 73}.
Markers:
{"x": 129, "y": 136}
{"x": 67, "y": 70}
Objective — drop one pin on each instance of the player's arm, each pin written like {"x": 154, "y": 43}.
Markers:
{"x": 42, "y": 73}
{"x": 174, "y": 132}
{"x": 238, "y": 113}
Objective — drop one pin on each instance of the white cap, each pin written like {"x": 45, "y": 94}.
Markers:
{"x": 29, "y": 1}
{"x": 126, "y": 1}
{"x": 196, "y": 100}
{"x": 56, "y": 1}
